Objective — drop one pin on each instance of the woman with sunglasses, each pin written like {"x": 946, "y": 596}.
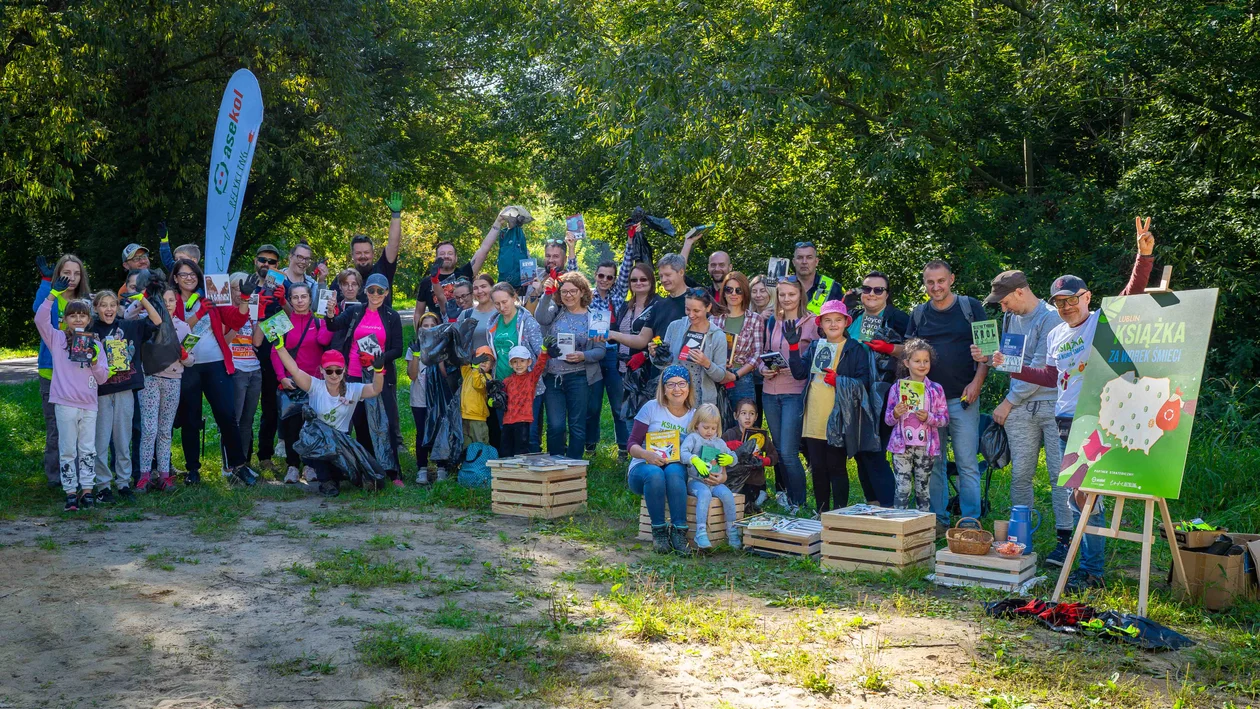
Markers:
{"x": 335, "y": 400}
{"x": 698, "y": 346}
{"x": 375, "y": 421}
{"x": 569, "y": 377}
{"x": 306, "y": 344}
{"x": 791, "y": 328}
{"x": 656, "y": 471}
{"x": 211, "y": 376}
{"x": 745, "y": 337}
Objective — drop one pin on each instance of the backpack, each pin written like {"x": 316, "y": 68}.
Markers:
{"x": 512, "y": 250}
{"x": 920, "y": 312}
{"x": 473, "y": 471}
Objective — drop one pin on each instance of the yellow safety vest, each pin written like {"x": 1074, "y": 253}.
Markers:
{"x": 823, "y": 289}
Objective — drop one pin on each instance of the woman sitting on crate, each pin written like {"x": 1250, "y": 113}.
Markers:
{"x": 655, "y": 447}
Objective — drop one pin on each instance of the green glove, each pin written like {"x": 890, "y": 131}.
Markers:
{"x": 701, "y": 467}
{"x": 135, "y": 297}
{"x": 395, "y": 203}
{"x": 725, "y": 459}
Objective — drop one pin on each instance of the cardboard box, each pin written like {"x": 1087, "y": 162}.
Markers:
{"x": 1217, "y": 581}
{"x": 1193, "y": 540}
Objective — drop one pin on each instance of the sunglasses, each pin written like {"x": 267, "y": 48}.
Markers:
{"x": 1065, "y": 301}
{"x": 604, "y": 276}
{"x": 697, "y": 292}
{"x": 554, "y": 242}
{"x": 804, "y": 245}
{"x": 376, "y": 290}
{"x": 733, "y": 290}
{"x": 877, "y": 290}
{"x": 639, "y": 280}
{"x": 333, "y": 371}
{"x": 789, "y": 279}
{"x": 268, "y": 261}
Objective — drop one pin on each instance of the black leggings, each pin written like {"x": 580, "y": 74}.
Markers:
{"x": 828, "y": 466}
{"x": 418, "y": 414}
{"x": 514, "y": 439}
{"x": 211, "y": 380}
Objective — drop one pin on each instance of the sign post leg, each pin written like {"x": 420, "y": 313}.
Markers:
{"x": 1144, "y": 578}
{"x": 1086, "y": 510}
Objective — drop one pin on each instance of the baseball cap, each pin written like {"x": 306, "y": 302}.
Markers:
{"x": 332, "y": 358}
{"x": 519, "y": 352}
{"x": 267, "y": 248}
{"x": 1005, "y": 284}
{"x": 376, "y": 279}
{"x": 1067, "y": 285}
{"x": 130, "y": 251}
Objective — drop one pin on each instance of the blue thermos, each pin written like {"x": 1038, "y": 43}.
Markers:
{"x": 1021, "y": 527}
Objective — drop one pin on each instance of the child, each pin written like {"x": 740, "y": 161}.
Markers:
{"x": 115, "y": 399}
{"x": 705, "y": 478}
{"x": 754, "y": 487}
{"x": 416, "y": 371}
{"x": 159, "y": 400}
{"x": 915, "y": 442}
{"x": 70, "y": 268}
{"x": 472, "y": 402}
{"x": 73, "y": 395}
{"x": 519, "y": 387}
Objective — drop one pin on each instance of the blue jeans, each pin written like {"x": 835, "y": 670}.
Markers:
{"x": 1093, "y": 547}
{"x": 704, "y": 494}
{"x": 611, "y": 384}
{"x": 536, "y": 428}
{"x": 963, "y": 435}
{"x": 785, "y": 414}
{"x": 657, "y": 485}
{"x": 566, "y": 414}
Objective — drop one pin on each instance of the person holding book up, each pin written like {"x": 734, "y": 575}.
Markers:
{"x": 69, "y": 267}
{"x": 707, "y": 456}
{"x": 916, "y": 410}
{"x": 656, "y": 469}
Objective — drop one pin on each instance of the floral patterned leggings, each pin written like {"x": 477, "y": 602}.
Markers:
{"x": 159, "y": 400}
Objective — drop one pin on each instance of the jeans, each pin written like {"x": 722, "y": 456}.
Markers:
{"x": 610, "y": 384}
{"x": 657, "y": 486}
{"x": 744, "y": 389}
{"x": 566, "y": 398}
{"x": 76, "y": 452}
{"x": 1093, "y": 547}
{"x": 963, "y": 434}
{"x": 785, "y": 414}
{"x": 246, "y": 389}
{"x": 52, "y": 454}
{"x": 704, "y": 494}
{"x": 1029, "y": 427}
{"x": 113, "y": 425}
{"x": 212, "y": 381}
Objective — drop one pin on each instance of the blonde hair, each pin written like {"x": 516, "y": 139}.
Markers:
{"x": 707, "y": 413}
{"x": 100, "y": 296}
{"x": 779, "y": 313}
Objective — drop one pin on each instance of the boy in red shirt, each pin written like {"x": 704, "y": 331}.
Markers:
{"x": 519, "y": 387}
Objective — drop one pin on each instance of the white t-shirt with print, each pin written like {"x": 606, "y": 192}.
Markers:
{"x": 1067, "y": 350}
{"x": 335, "y": 410}
{"x": 658, "y": 418}
{"x": 417, "y": 384}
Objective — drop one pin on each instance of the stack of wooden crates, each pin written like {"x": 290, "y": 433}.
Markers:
{"x": 716, "y": 522}
{"x": 852, "y": 542}
{"x": 537, "y": 486}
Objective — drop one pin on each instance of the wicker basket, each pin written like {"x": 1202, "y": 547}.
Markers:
{"x": 969, "y": 540}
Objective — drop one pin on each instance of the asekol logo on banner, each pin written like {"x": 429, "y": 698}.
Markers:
{"x": 235, "y": 136}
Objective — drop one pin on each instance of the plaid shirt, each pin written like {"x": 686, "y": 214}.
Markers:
{"x": 749, "y": 342}
{"x": 617, "y": 294}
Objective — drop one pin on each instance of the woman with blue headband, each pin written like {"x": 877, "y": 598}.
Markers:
{"x": 656, "y": 469}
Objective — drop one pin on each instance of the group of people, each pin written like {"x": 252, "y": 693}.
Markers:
{"x": 709, "y": 385}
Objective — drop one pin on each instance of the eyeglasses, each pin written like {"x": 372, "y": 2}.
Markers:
{"x": 299, "y": 257}
{"x": 733, "y": 290}
{"x": 334, "y": 372}
{"x": 268, "y": 261}
{"x": 639, "y": 280}
{"x": 186, "y": 274}
{"x": 789, "y": 279}
{"x": 569, "y": 291}
{"x": 676, "y": 385}
{"x": 804, "y": 245}
{"x": 876, "y": 290}
{"x": 554, "y": 242}
{"x": 697, "y": 292}
{"x": 1067, "y": 301}
{"x": 375, "y": 290}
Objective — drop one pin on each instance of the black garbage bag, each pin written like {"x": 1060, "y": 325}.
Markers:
{"x": 994, "y": 446}
{"x": 435, "y": 344}
{"x": 497, "y": 394}
{"x": 1140, "y": 631}
{"x": 319, "y": 441}
{"x": 443, "y": 428}
{"x": 638, "y": 387}
{"x": 745, "y": 465}
{"x": 663, "y": 356}
{"x": 162, "y": 348}
{"x": 462, "y": 344}
{"x": 640, "y": 247}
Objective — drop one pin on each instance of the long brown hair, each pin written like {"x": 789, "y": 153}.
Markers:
{"x": 745, "y": 290}
{"x": 779, "y": 313}
{"x": 646, "y": 270}
{"x": 83, "y": 290}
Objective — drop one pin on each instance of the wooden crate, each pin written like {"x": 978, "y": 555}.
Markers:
{"x": 537, "y": 486}
{"x": 716, "y": 522}
{"x": 804, "y": 541}
{"x": 868, "y": 543}
{"x": 989, "y": 571}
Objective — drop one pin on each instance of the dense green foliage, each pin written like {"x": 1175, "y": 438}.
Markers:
{"x": 991, "y": 134}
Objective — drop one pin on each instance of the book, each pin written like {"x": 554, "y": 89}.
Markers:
{"x": 1012, "y": 349}
{"x": 823, "y": 354}
{"x": 218, "y": 288}
{"x": 773, "y": 360}
{"x": 82, "y": 347}
{"x": 666, "y": 444}
{"x": 692, "y": 340}
{"x": 275, "y": 327}
{"x": 776, "y": 269}
{"x": 529, "y": 271}
{"x": 871, "y": 325}
{"x": 253, "y": 307}
{"x": 577, "y": 225}
{"x": 567, "y": 342}
{"x": 325, "y": 302}
{"x": 190, "y": 341}
{"x": 117, "y": 355}
{"x": 984, "y": 334}
{"x": 274, "y": 278}
{"x": 598, "y": 323}
{"x": 757, "y": 436}
{"x": 708, "y": 454}
{"x": 369, "y": 344}
{"x": 913, "y": 394}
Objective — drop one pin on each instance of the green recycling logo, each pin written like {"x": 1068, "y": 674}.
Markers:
{"x": 220, "y": 177}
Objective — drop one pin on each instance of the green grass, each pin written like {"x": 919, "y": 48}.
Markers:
{"x": 18, "y": 352}
{"x": 351, "y": 567}
{"x": 305, "y": 664}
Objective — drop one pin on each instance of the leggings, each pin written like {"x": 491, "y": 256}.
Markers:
{"x": 210, "y": 380}
{"x": 159, "y": 400}
{"x": 913, "y": 470}
{"x": 828, "y": 466}
{"x": 419, "y": 414}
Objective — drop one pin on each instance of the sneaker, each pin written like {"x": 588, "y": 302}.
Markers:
{"x": 329, "y": 489}
{"x": 781, "y": 499}
{"x": 166, "y": 483}
{"x": 142, "y": 485}
{"x": 72, "y": 503}
{"x": 793, "y": 510}
{"x": 308, "y": 473}
{"x": 291, "y": 476}
{"x": 245, "y": 475}
{"x": 1058, "y": 556}
{"x": 622, "y": 456}
{"x": 192, "y": 477}
{"x": 702, "y": 539}
{"x": 441, "y": 474}
{"x": 105, "y": 497}
{"x": 941, "y": 529}
{"x": 678, "y": 540}
{"x": 87, "y": 500}
{"x": 422, "y": 476}
{"x": 660, "y": 539}
{"x": 1081, "y": 580}
{"x": 732, "y": 537}
{"x": 125, "y": 494}
{"x": 398, "y": 483}
{"x": 590, "y": 450}
{"x": 761, "y": 500}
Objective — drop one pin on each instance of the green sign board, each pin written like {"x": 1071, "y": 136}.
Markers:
{"x": 1136, "y": 410}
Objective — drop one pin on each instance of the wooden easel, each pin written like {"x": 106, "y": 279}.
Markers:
{"x": 1146, "y": 537}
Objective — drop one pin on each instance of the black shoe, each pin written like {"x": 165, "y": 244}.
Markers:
{"x": 1058, "y": 556}
{"x": 87, "y": 501}
{"x": 192, "y": 477}
{"x": 1081, "y": 580}
{"x": 660, "y": 539}
{"x": 329, "y": 489}
{"x": 105, "y": 497}
{"x": 72, "y": 503}
{"x": 678, "y": 541}
{"x": 125, "y": 494}
{"x": 244, "y": 475}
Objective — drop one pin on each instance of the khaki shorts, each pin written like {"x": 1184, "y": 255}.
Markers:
{"x": 476, "y": 432}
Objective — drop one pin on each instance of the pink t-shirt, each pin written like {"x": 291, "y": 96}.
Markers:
{"x": 370, "y": 325}
{"x": 784, "y": 383}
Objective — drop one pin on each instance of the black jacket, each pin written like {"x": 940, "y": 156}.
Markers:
{"x": 347, "y": 320}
